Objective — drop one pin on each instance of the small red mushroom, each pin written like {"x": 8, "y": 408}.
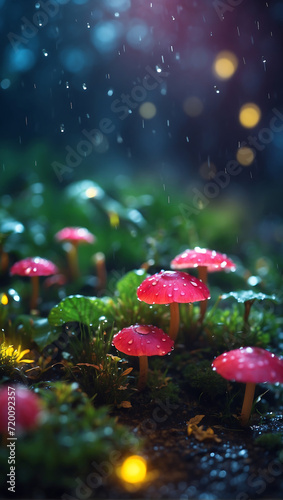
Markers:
{"x": 251, "y": 365}
{"x": 74, "y": 236}
{"x": 172, "y": 287}
{"x": 143, "y": 341}
{"x": 27, "y": 409}
{"x": 206, "y": 261}
{"x": 34, "y": 267}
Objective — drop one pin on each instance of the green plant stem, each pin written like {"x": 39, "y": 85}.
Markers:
{"x": 174, "y": 320}
{"x": 202, "y": 274}
{"x": 247, "y": 404}
{"x": 34, "y": 293}
{"x": 143, "y": 372}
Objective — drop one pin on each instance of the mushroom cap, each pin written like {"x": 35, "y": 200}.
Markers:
{"x": 28, "y": 408}
{"x": 34, "y": 266}
{"x": 143, "y": 340}
{"x": 172, "y": 286}
{"x": 75, "y": 235}
{"x": 214, "y": 261}
{"x": 249, "y": 364}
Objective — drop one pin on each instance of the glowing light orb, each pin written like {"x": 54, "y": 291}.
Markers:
{"x": 249, "y": 115}
{"x": 133, "y": 469}
{"x": 245, "y": 156}
{"x": 4, "y": 299}
{"x": 91, "y": 192}
{"x": 225, "y": 65}
{"x": 147, "y": 110}
{"x": 193, "y": 106}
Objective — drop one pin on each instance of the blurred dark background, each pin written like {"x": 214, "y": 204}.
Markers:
{"x": 137, "y": 78}
{"x": 64, "y": 62}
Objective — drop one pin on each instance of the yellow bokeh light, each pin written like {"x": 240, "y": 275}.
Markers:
{"x": 133, "y": 469}
{"x": 193, "y": 106}
{"x": 147, "y": 110}
{"x": 91, "y": 192}
{"x": 249, "y": 115}
{"x": 114, "y": 219}
{"x": 245, "y": 156}
{"x": 225, "y": 65}
{"x": 4, "y": 299}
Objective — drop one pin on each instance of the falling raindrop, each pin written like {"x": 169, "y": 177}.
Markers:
{"x": 84, "y": 86}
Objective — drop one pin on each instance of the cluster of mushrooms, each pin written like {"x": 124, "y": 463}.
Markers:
{"x": 250, "y": 365}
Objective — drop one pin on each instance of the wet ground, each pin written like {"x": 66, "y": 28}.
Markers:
{"x": 183, "y": 467}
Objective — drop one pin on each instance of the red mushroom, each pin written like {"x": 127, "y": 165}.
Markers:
{"x": 251, "y": 365}
{"x": 143, "y": 341}
{"x": 206, "y": 261}
{"x": 172, "y": 287}
{"x": 74, "y": 236}
{"x": 34, "y": 267}
{"x": 27, "y": 409}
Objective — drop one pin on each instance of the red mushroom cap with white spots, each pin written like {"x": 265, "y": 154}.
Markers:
{"x": 214, "y": 261}
{"x": 143, "y": 340}
{"x": 249, "y": 365}
{"x": 34, "y": 266}
{"x": 172, "y": 286}
{"x": 75, "y": 235}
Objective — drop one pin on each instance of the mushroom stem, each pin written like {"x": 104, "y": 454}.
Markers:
{"x": 4, "y": 264}
{"x": 99, "y": 260}
{"x": 143, "y": 372}
{"x": 202, "y": 274}
{"x": 247, "y": 403}
{"x": 72, "y": 254}
{"x": 248, "y": 304}
{"x": 174, "y": 320}
{"x": 34, "y": 293}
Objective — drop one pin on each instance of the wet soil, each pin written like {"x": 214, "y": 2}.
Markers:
{"x": 181, "y": 467}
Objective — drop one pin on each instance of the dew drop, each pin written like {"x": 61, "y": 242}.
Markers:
{"x": 130, "y": 341}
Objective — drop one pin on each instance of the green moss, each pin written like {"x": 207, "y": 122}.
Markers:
{"x": 200, "y": 377}
{"x": 270, "y": 441}
{"x": 73, "y": 441}
{"x": 162, "y": 387}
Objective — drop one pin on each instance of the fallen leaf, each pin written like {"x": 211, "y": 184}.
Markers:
{"x": 199, "y": 432}
{"x": 126, "y": 372}
{"x": 125, "y": 404}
